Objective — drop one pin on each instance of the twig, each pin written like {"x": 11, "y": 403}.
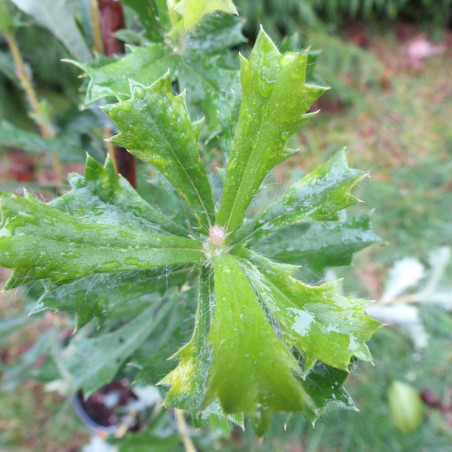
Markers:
{"x": 183, "y": 430}
{"x": 110, "y": 18}
{"x": 404, "y": 299}
{"x": 97, "y": 31}
{"x": 110, "y": 148}
{"x": 46, "y": 130}
{"x": 99, "y": 48}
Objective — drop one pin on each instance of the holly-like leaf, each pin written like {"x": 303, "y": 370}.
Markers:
{"x": 40, "y": 242}
{"x": 155, "y": 126}
{"x": 318, "y": 196}
{"x": 274, "y": 100}
{"x": 111, "y": 77}
{"x": 152, "y": 15}
{"x": 324, "y": 384}
{"x": 201, "y": 64}
{"x": 95, "y": 361}
{"x": 188, "y": 379}
{"x": 106, "y": 198}
{"x": 249, "y": 362}
{"x": 317, "y": 246}
{"x": 324, "y": 325}
{"x": 210, "y": 74}
{"x": 192, "y": 11}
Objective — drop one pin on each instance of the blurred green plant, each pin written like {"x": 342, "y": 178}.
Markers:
{"x": 257, "y": 329}
{"x": 38, "y": 93}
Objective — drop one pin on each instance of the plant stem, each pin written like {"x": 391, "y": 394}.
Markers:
{"x": 110, "y": 148}
{"x": 403, "y": 299}
{"x": 183, "y": 430}
{"x": 110, "y": 15}
{"x": 46, "y": 130}
{"x": 98, "y": 48}
{"x": 97, "y": 31}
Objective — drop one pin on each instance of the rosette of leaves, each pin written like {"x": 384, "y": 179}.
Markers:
{"x": 263, "y": 341}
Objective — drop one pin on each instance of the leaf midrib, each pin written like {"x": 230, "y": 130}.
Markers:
{"x": 246, "y": 169}
{"x": 179, "y": 163}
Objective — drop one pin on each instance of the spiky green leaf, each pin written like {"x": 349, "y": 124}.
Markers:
{"x": 106, "y": 198}
{"x": 249, "y": 361}
{"x": 188, "y": 379}
{"x": 111, "y": 77}
{"x": 324, "y": 384}
{"x": 318, "y": 196}
{"x": 40, "y": 242}
{"x": 317, "y": 246}
{"x": 324, "y": 325}
{"x": 274, "y": 100}
{"x": 155, "y": 126}
{"x": 111, "y": 296}
{"x": 201, "y": 64}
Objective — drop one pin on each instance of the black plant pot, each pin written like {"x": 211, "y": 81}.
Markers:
{"x": 113, "y": 409}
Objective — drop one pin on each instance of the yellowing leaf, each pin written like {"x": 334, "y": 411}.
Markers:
{"x": 188, "y": 379}
{"x": 192, "y": 11}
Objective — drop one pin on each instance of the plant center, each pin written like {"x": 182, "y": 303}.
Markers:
{"x": 215, "y": 244}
